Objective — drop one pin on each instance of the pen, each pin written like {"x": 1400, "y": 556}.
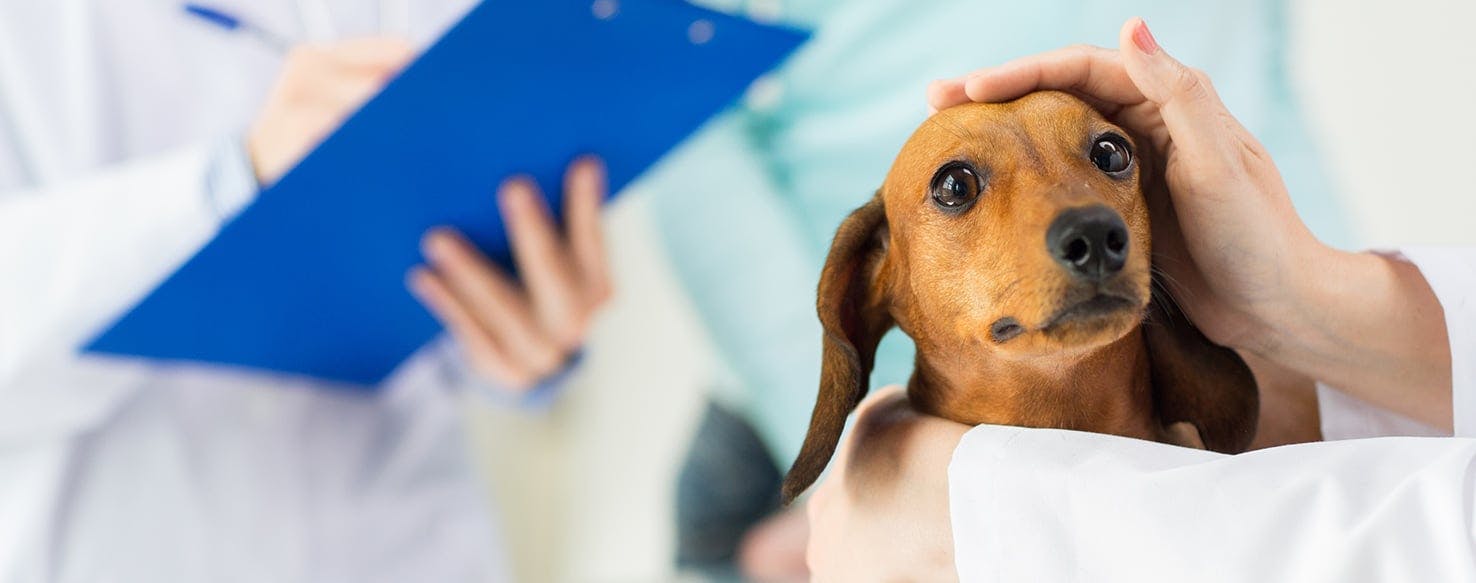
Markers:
{"x": 232, "y": 23}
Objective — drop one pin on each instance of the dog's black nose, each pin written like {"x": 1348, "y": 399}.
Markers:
{"x": 1092, "y": 242}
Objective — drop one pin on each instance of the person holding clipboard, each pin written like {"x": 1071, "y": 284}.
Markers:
{"x": 129, "y": 133}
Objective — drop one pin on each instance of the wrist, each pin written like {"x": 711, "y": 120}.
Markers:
{"x": 1292, "y": 315}
{"x": 230, "y": 180}
{"x": 1369, "y": 325}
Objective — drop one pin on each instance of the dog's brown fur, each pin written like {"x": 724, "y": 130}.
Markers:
{"x": 945, "y": 278}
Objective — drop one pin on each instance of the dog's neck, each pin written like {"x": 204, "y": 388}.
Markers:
{"x": 1107, "y": 390}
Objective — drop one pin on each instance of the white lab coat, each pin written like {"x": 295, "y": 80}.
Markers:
{"x": 1050, "y": 505}
{"x": 120, "y": 125}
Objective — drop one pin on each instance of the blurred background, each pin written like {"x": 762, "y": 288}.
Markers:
{"x": 1386, "y": 92}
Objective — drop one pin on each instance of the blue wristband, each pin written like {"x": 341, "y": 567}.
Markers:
{"x": 540, "y": 397}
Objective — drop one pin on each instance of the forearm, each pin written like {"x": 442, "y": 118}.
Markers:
{"x": 1371, "y": 326}
{"x": 77, "y": 254}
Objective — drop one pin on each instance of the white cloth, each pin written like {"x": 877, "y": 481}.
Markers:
{"x": 119, "y": 157}
{"x": 1051, "y": 505}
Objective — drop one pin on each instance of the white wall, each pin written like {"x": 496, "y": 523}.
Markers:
{"x": 1391, "y": 91}
{"x": 586, "y": 490}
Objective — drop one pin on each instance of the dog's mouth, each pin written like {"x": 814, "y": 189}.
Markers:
{"x": 1097, "y": 310}
{"x": 1096, "y": 307}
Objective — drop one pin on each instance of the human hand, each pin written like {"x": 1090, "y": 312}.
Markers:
{"x": 517, "y": 335}
{"x": 773, "y": 550}
{"x": 318, "y": 87}
{"x": 1226, "y": 237}
{"x": 881, "y": 514}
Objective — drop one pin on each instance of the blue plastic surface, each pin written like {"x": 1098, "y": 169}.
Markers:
{"x": 309, "y": 279}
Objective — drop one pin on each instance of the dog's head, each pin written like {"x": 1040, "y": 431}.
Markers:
{"x": 1007, "y": 231}
{"x": 1018, "y": 228}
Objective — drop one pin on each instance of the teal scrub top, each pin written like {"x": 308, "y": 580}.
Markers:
{"x": 748, "y": 205}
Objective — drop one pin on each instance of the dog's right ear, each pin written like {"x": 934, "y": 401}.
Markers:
{"x": 854, "y": 311}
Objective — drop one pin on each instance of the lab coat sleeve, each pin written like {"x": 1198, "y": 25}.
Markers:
{"x": 458, "y": 375}
{"x": 75, "y": 255}
{"x": 1052, "y": 505}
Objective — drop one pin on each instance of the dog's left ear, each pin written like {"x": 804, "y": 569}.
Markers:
{"x": 1194, "y": 380}
{"x": 854, "y": 311}
{"x": 1198, "y": 381}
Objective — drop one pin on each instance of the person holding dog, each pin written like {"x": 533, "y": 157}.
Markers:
{"x": 1386, "y": 335}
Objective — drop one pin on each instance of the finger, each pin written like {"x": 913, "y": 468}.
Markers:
{"x": 946, "y": 93}
{"x": 381, "y": 54}
{"x": 481, "y": 350}
{"x": 1199, "y": 123}
{"x": 1084, "y": 70}
{"x": 341, "y": 92}
{"x": 543, "y": 262}
{"x": 493, "y": 300}
{"x": 584, "y": 193}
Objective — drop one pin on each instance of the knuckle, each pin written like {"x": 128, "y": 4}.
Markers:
{"x": 1082, "y": 49}
{"x": 1189, "y": 83}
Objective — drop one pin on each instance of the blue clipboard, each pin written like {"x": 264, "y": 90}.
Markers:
{"x": 309, "y": 279}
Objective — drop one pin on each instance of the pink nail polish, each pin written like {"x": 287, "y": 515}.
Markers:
{"x": 1144, "y": 38}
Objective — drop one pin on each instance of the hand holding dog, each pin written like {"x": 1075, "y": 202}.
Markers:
{"x": 1240, "y": 261}
{"x": 882, "y": 515}
{"x": 1243, "y": 265}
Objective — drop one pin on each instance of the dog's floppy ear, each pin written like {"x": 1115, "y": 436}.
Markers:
{"x": 853, "y": 311}
{"x": 1194, "y": 380}
{"x": 1198, "y": 381}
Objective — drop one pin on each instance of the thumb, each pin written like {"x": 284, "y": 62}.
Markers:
{"x": 1192, "y": 112}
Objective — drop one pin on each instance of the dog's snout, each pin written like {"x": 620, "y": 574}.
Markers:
{"x": 1091, "y": 242}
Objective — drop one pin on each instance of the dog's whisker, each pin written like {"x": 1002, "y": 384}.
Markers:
{"x": 1162, "y": 282}
{"x": 1009, "y": 288}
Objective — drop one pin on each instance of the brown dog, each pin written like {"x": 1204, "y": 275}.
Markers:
{"x": 1011, "y": 242}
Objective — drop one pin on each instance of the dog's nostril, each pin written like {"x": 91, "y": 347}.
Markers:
{"x": 1116, "y": 241}
{"x": 1077, "y": 251}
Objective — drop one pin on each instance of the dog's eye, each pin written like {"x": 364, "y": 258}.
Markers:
{"x": 1111, "y": 154}
{"x": 955, "y": 187}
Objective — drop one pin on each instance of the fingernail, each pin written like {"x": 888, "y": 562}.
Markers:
{"x": 515, "y": 192}
{"x": 1144, "y": 38}
{"x": 591, "y": 163}
{"x": 415, "y": 280}
{"x": 434, "y": 244}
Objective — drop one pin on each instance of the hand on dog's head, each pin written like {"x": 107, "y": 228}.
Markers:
{"x": 1011, "y": 231}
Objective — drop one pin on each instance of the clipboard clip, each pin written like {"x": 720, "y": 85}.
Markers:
{"x": 700, "y": 32}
